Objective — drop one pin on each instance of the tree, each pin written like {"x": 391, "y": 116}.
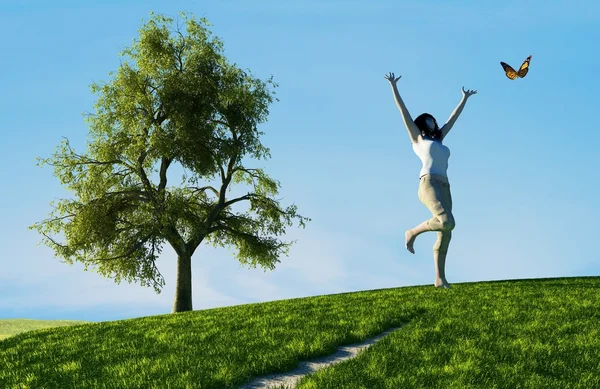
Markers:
{"x": 179, "y": 101}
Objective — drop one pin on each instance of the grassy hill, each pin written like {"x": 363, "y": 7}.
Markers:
{"x": 10, "y": 327}
{"x": 534, "y": 333}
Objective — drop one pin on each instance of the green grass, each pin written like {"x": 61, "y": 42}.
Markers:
{"x": 541, "y": 333}
{"x": 11, "y": 327}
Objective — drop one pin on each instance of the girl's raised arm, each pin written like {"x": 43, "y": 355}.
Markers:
{"x": 413, "y": 130}
{"x": 457, "y": 111}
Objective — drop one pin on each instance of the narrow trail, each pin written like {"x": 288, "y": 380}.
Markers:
{"x": 290, "y": 379}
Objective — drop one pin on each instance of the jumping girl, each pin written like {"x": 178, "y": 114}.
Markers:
{"x": 434, "y": 189}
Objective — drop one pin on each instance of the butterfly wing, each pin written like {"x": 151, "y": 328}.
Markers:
{"x": 510, "y": 72}
{"x": 524, "y": 68}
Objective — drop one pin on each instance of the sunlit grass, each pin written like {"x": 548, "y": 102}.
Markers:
{"x": 10, "y": 327}
{"x": 510, "y": 334}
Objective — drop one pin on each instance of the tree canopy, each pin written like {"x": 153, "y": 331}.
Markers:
{"x": 175, "y": 98}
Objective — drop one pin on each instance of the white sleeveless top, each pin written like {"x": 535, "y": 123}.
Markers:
{"x": 434, "y": 156}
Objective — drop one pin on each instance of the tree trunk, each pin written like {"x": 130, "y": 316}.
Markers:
{"x": 183, "y": 288}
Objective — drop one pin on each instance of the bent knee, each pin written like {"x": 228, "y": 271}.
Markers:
{"x": 448, "y": 223}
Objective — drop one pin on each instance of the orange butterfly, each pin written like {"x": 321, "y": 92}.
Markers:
{"x": 512, "y": 73}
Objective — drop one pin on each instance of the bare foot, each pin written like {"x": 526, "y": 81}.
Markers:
{"x": 442, "y": 284}
{"x": 410, "y": 240}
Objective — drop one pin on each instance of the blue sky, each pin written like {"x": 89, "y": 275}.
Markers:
{"x": 523, "y": 168}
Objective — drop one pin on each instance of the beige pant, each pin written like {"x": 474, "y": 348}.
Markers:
{"x": 434, "y": 192}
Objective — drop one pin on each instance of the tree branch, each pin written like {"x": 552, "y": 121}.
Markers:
{"x": 227, "y": 178}
{"x": 181, "y": 50}
{"x": 203, "y": 189}
{"x": 175, "y": 239}
{"x": 237, "y": 232}
{"x": 242, "y": 198}
{"x": 164, "y": 165}
{"x": 123, "y": 173}
{"x": 222, "y": 173}
{"x": 88, "y": 161}
{"x": 249, "y": 171}
{"x": 230, "y": 165}
{"x": 53, "y": 241}
{"x": 161, "y": 116}
{"x": 158, "y": 116}
{"x": 58, "y": 218}
{"x": 143, "y": 175}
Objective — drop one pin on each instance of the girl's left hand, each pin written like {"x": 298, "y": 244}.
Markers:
{"x": 468, "y": 92}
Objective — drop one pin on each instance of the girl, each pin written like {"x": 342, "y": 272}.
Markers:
{"x": 434, "y": 189}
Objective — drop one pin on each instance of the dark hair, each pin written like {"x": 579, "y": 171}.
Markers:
{"x": 420, "y": 122}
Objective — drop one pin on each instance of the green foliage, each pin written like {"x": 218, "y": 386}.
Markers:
{"x": 174, "y": 98}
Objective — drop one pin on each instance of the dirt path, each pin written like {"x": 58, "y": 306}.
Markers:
{"x": 306, "y": 367}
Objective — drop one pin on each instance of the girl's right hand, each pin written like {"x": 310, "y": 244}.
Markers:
{"x": 390, "y": 77}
